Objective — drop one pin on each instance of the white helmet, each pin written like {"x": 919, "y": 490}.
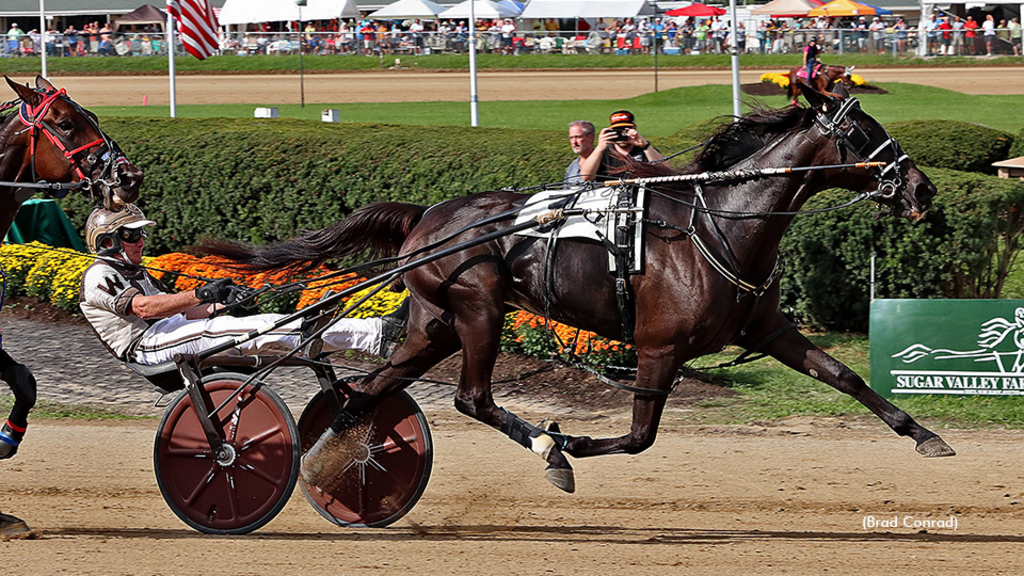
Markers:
{"x": 103, "y": 224}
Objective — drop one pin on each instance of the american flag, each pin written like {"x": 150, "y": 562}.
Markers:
{"x": 198, "y": 26}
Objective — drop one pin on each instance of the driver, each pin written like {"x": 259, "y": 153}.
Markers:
{"x": 139, "y": 320}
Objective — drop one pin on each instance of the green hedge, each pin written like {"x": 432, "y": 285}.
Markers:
{"x": 953, "y": 145}
{"x": 961, "y": 249}
{"x": 263, "y": 180}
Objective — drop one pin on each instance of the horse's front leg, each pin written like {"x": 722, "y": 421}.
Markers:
{"x": 23, "y": 384}
{"x": 655, "y": 370}
{"x": 794, "y": 350}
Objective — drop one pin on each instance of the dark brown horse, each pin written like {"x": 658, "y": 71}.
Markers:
{"x": 50, "y": 138}
{"x": 685, "y": 307}
{"x": 823, "y": 81}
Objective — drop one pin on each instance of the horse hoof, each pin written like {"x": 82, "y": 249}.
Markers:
{"x": 935, "y": 447}
{"x": 12, "y": 528}
{"x": 562, "y": 478}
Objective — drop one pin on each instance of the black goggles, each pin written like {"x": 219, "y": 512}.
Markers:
{"x": 131, "y": 235}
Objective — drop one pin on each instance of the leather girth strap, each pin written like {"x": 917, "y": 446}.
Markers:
{"x": 624, "y": 236}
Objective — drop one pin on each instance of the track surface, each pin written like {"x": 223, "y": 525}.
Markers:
{"x": 736, "y": 501}
{"x": 416, "y": 86}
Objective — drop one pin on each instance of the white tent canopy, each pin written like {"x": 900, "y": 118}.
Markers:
{"x": 483, "y": 9}
{"x": 404, "y": 9}
{"x": 253, "y": 11}
{"x": 785, "y": 7}
{"x": 512, "y": 5}
{"x": 586, "y": 9}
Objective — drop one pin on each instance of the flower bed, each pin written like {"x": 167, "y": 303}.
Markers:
{"x": 53, "y": 275}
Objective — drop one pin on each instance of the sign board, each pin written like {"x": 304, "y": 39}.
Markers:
{"x": 950, "y": 347}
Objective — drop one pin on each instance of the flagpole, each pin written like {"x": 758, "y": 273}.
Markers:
{"x": 42, "y": 33}
{"x": 474, "y": 101}
{"x": 737, "y": 109}
{"x": 170, "y": 63}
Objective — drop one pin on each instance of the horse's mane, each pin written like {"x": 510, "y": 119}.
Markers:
{"x": 734, "y": 141}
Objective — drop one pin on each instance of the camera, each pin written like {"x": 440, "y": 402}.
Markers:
{"x": 620, "y": 135}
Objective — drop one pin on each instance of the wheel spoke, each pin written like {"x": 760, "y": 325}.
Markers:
{"x": 260, "y": 437}
{"x": 391, "y": 445}
{"x": 201, "y": 486}
{"x": 259, "y": 473}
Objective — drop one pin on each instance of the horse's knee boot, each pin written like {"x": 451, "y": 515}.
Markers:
{"x": 321, "y": 460}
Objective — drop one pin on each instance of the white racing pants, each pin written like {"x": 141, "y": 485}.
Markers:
{"x": 176, "y": 335}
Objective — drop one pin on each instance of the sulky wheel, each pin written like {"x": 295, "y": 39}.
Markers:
{"x": 248, "y": 483}
{"x": 387, "y": 469}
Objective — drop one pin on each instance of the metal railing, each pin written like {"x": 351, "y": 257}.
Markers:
{"x": 898, "y": 43}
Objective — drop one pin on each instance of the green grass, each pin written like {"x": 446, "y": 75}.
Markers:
{"x": 290, "y": 63}
{"x": 51, "y": 409}
{"x": 769, "y": 391}
{"x": 659, "y": 114}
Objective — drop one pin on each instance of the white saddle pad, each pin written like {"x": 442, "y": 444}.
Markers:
{"x": 593, "y": 226}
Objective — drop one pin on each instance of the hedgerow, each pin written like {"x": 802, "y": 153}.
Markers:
{"x": 952, "y": 144}
{"x": 963, "y": 248}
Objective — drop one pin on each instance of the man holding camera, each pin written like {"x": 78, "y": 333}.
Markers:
{"x": 616, "y": 145}
{"x": 139, "y": 320}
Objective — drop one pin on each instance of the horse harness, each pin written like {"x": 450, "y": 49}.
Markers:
{"x": 851, "y": 138}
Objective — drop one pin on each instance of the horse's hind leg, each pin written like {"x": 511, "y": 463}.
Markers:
{"x": 428, "y": 342}
{"x": 794, "y": 350}
{"x": 23, "y": 384}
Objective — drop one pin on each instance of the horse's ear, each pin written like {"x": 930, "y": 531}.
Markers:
{"x": 44, "y": 84}
{"x": 27, "y": 94}
{"x": 814, "y": 98}
{"x": 840, "y": 90}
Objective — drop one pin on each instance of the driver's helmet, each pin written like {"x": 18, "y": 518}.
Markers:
{"x": 104, "y": 224}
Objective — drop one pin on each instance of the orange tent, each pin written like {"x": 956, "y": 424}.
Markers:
{"x": 842, "y": 8}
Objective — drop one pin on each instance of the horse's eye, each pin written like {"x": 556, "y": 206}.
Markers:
{"x": 66, "y": 125}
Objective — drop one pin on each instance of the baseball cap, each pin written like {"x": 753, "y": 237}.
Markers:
{"x": 622, "y": 119}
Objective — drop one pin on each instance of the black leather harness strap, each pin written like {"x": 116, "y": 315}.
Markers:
{"x": 625, "y": 223}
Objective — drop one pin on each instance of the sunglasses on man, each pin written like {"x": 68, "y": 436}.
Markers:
{"x": 131, "y": 235}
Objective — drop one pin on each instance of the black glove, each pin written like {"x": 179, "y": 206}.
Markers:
{"x": 215, "y": 292}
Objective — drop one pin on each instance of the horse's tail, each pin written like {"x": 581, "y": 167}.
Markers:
{"x": 378, "y": 229}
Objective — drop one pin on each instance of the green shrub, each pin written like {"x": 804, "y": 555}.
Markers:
{"x": 953, "y": 145}
{"x": 1017, "y": 150}
{"x": 963, "y": 248}
{"x": 261, "y": 180}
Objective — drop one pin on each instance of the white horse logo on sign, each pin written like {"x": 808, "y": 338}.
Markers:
{"x": 993, "y": 332}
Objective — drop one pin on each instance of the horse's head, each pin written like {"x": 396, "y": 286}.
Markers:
{"x": 847, "y": 75}
{"x": 899, "y": 185}
{"x": 62, "y": 142}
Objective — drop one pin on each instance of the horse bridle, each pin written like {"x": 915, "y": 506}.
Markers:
{"x": 106, "y": 150}
{"x": 851, "y": 138}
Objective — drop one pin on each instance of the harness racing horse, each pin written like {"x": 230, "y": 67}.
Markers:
{"x": 687, "y": 302}
{"x": 50, "y": 138}
{"x": 825, "y": 78}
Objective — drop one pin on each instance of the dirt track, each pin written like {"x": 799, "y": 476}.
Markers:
{"x": 412, "y": 85}
{"x": 734, "y": 501}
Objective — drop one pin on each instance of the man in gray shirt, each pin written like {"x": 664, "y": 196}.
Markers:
{"x": 581, "y": 139}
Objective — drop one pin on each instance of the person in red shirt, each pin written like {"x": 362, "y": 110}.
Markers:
{"x": 947, "y": 36}
{"x": 970, "y": 32}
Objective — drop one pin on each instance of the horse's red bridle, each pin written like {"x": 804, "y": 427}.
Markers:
{"x": 32, "y": 117}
